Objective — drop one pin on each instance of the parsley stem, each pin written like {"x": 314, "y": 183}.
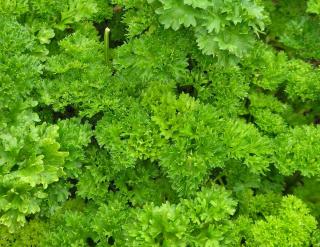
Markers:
{"x": 106, "y": 44}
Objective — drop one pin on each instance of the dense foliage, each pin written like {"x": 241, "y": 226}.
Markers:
{"x": 195, "y": 125}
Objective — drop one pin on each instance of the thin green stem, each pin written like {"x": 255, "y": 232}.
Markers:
{"x": 106, "y": 44}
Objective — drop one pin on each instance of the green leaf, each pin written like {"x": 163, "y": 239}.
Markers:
{"x": 175, "y": 14}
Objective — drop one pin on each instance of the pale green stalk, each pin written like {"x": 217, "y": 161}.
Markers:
{"x": 106, "y": 44}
